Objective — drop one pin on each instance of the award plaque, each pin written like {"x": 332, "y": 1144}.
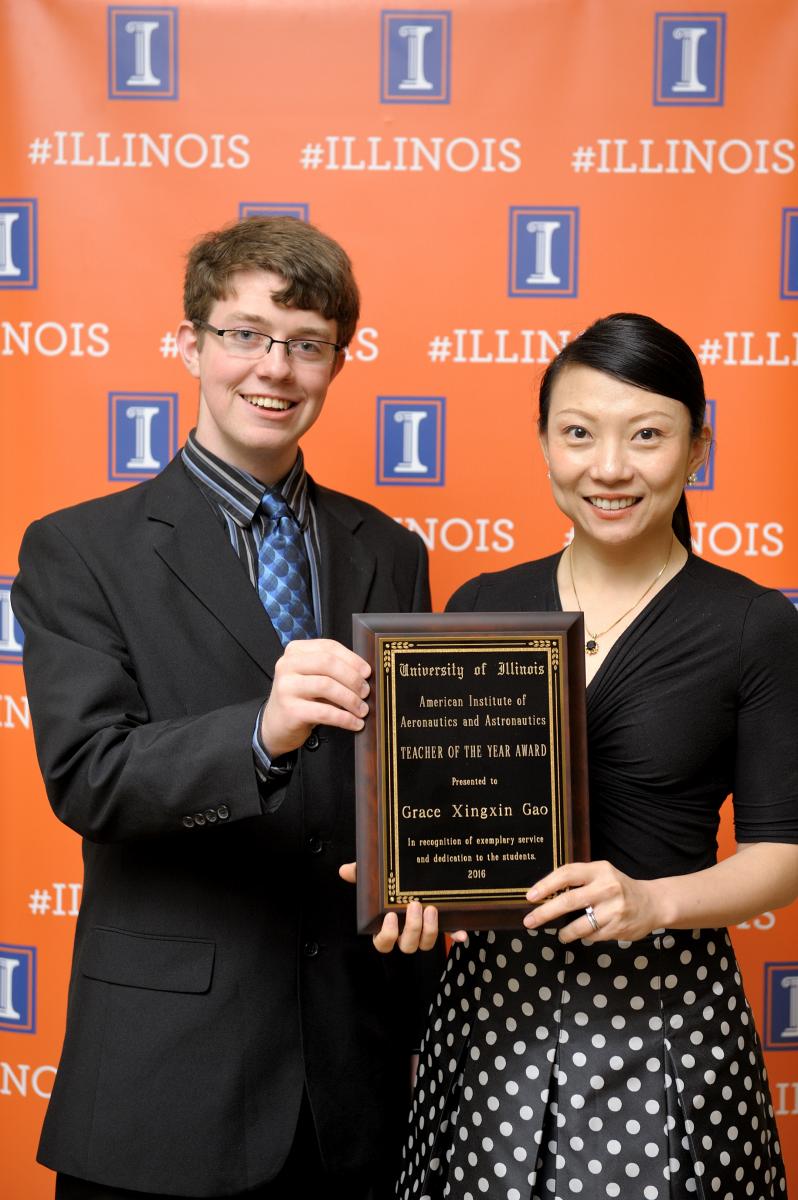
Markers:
{"x": 471, "y": 770}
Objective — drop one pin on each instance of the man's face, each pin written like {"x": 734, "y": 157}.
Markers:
{"x": 252, "y": 412}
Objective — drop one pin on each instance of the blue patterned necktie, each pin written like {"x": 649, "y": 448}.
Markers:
{"x": 283, "y": 572}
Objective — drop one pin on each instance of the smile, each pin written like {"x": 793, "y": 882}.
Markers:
{"x": 272, "y": 402}
{"x": 612, "y": 505}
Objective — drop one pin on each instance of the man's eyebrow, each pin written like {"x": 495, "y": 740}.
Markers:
{"x": 304, "y": 330}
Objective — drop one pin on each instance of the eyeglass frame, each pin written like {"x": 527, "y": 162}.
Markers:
{"x": 272, "y": 341}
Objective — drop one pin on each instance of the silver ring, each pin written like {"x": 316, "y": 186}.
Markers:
{"x": 591, "y": 916}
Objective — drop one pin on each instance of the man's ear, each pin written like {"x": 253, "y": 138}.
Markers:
{"x": 188, "y": 345}
{"x": 338, "y": 364}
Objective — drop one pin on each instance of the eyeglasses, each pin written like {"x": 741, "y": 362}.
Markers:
{"x": 248, "y": 343}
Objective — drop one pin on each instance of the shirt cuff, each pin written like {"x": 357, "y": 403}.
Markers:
{"x": 269, "y": 770}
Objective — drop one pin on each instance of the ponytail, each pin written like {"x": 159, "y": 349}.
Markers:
{"x": 681, "y": 523}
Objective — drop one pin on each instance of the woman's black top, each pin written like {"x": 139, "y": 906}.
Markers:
{"x": 697, "y": 699}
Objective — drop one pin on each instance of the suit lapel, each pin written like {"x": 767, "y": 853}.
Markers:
{"x": 190, "y": 540}
{"x": 347, "y": 565}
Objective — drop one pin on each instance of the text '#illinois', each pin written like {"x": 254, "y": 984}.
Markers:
{"x": 344, "y": 152}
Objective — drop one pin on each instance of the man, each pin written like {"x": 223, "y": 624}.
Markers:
{"x": 193, "y": 700}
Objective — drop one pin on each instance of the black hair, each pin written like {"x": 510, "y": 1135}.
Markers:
{"x": 637, "y": 350}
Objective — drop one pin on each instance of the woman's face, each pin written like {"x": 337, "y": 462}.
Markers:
{"x": 618, "y": 455}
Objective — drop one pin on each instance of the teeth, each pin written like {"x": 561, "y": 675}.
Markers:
{"x": 612, "y": 505}
{"x": 268, "y": 402}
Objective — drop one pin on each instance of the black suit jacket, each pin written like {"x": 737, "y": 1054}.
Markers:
{"x": 216, "y": 970}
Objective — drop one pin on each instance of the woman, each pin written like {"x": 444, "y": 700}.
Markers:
{"x": 607, "y": 1049}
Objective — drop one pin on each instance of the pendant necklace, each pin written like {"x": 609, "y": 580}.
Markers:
{"x": 592, "y": 643}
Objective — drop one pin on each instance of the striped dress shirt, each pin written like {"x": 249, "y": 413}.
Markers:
{"x": 235, "y": 496}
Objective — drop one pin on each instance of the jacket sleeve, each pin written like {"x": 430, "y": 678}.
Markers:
{"x": 422, "y": 599}
{"x": 111, "y": 772}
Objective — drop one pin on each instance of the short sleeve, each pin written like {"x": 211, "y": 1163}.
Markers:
{"x": 466, "y": 597}
{"x": 766, "y": 758}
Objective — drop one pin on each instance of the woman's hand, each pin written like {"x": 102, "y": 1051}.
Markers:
{"x": 420, "y": 930}
{"x": 623, "y": 908}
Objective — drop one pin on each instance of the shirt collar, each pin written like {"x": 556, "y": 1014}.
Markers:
{"x": 240, "y": 493}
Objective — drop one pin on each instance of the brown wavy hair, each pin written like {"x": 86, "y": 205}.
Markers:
{"x": 316, "y": 271}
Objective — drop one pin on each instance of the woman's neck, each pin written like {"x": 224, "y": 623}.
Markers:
{"x": 599, "y": 564}
{"x": 611, "y": 585}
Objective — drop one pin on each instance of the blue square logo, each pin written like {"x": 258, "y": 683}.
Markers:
{"x": 19, "y": 244}
{"x": 544, "y": 252}
{"x": 253, "y": 209}
{"x": 789, "y": 254}
{"x": 17, "y": 989}
{"x": 11, "y": 636}
{"x": 142, "y": 433}
{"x": 792, "y": 595}
{"x": 411, "y": 436}
{"x": 705, "y": 478}
{"x": 781, "y": 1006}
{"x": 689, "y": 58}
{"x": 415, "y": 56}
{"x": 142, "y": 53}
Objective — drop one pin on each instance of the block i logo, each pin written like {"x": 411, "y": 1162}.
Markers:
{"x": 11, "y": 637}
{"x": 142, "y": 434}
{"x": 415, "y": 56}
{"x": 789, "y": 254}
{"x": 781, "y": 1006}
{"x": 17, "y": 988}
{"x": 142, "y": 53}
{"x": 705, "y": 478}
{"x": 411, "y": 434}
{"x": 255, "y": 209}
{"x": 544, "y": 252}
{"x": 19, "y": 244}
{"x": 689, "y": 58}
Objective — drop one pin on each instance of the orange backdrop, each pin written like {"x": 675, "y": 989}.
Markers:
{"x": 501, "y": 175}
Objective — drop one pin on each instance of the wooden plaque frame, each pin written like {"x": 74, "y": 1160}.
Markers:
{"x": 497, "y": 809}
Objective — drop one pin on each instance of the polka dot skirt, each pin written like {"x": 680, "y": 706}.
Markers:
{"x": 628, "y": 1069}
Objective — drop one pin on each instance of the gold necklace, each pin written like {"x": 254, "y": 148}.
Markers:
{"x": 592, "y": 644}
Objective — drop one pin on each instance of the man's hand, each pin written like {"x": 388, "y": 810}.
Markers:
{"x": 316, "y": 682}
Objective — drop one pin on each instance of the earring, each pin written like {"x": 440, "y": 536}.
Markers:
{"x": 692, "y": 479}
{"x": 548, "y": 474}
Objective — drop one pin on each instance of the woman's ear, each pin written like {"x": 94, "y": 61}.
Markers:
{"x": 699, "y": 451}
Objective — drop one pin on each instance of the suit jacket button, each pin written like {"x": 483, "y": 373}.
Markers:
{"x": 223, "y": 811}
{"x": 311, "y": 949}
{"x": 211, "y": 815}
{"x": 315, "y": 845}
{"x": 188, "y": 822}
{"x": 313, "y": 742}
{"x": 199, "y": 818}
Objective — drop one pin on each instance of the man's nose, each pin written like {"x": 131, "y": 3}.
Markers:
{"x": 276, "y": 363}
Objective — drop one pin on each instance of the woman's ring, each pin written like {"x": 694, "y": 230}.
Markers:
{"x": 591, "y": 916}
